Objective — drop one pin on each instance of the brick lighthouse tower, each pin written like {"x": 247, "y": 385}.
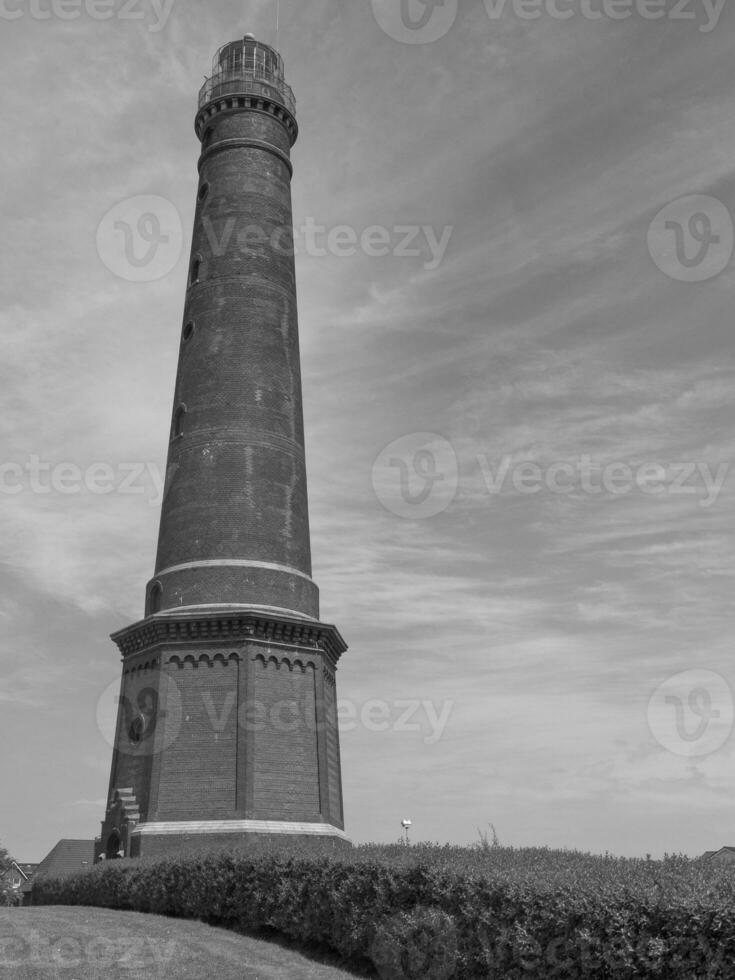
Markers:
{"x": 227, "y": 725}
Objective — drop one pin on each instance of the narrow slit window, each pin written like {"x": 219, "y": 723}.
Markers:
{"x": 154, "y": 600}
{"x": 196, "y": 268}
{"x": 179, "y": 417}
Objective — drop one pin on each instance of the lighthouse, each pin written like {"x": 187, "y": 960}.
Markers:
{"x": 227, "y": 719}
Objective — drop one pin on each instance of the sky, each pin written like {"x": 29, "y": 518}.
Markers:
{"x": 518, "y": 388}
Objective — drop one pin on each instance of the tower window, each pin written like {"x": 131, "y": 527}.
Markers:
{"x": 188, "y": 331}
{"x": 154, "y": 599}
{"x": 203, "y": 191}
{"x": 196, "y": 268}
{"x": 179, "y": 416}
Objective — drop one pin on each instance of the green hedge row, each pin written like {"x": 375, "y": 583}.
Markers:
{"x": 413, "y": 916}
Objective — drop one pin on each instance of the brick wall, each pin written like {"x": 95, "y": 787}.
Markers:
{"x": 286, "y": 777}
{"x": 198, "y": 769}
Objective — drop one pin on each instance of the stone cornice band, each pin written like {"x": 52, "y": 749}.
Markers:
{"x": 233, "y": 144}
{"x": 235, "y": 563}
{"x": 230, "y": 625}
{"x": 253, "y": 102}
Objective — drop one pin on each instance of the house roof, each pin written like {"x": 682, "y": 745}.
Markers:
{"x": 68, "y": 856}
{"x": 27, "y": 870}
{"x": 709, "y": 854}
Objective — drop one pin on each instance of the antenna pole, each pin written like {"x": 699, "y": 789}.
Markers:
{"x": 278, "y": 21}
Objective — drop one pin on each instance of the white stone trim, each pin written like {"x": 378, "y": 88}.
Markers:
{"x": 283, "y": 827}
{"x": 236, "y": 563}
{"x": 233, "y": 607}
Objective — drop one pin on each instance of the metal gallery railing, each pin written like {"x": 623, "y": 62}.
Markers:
{"x": 247, "y": 81}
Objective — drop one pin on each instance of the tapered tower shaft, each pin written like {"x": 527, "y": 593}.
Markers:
{"x": 235, "y": 526}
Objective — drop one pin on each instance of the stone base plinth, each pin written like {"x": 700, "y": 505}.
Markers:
{"x": 176, "y": 837}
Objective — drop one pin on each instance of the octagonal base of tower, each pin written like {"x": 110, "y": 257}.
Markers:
{"x": 227, "y": 733}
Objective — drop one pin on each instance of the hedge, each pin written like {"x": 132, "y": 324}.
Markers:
{"x": 439, "y": 913}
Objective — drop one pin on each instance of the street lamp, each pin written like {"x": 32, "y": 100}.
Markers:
{"x": 406, "y": 823}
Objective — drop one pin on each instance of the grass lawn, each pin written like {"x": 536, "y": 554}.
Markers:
{"x": 66, "y": 943}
